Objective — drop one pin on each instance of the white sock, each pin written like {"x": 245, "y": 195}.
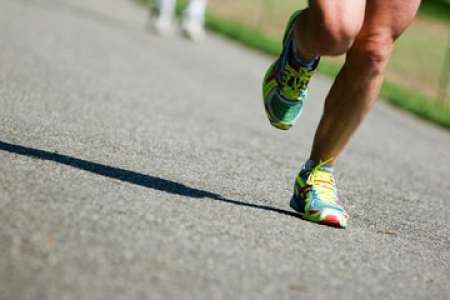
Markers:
{"x": 309, "y": 164}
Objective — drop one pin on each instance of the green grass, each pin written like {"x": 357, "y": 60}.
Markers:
{"x": 417, "y": 104}
{"x": 407, "y": 99}
{"x": 437, "y": 9}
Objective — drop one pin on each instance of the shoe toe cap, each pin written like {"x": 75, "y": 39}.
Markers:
{"x": 334, "y": 217}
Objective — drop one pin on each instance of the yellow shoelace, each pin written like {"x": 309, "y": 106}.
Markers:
{"x": 323, "y": 182}
{"x": 294, "y": 81}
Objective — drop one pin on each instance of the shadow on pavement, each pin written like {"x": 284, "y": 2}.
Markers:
{"x": 147, "y": 181}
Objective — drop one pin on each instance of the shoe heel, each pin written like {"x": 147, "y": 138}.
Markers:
{"x": 294, "y": 204}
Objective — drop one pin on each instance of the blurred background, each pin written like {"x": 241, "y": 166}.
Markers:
{"x": 418, "y": 75}
{"x": 420, "y": 60}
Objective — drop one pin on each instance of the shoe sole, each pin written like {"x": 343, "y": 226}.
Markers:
{"x": 330, "y": 219}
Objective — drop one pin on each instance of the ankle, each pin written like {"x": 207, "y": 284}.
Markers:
{"x": 298, "y": 38}
{"x": 311, "y": 163}
{"x": 301, "y": 60}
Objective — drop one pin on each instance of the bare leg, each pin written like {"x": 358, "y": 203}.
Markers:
{"x": 328, "y": 27}
{"x": 358, "y": 83}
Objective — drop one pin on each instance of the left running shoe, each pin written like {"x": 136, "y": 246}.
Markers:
{"x": 285, "y": 84}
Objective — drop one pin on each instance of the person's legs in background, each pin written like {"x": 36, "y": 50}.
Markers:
{"x": 162, "y": 16}
{"x": 193, "y": 21}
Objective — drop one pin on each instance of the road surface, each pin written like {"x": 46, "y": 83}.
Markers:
{"x": 140, "y": 167}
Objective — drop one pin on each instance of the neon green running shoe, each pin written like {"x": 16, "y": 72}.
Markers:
{"x": 286, "y": 83}
{"x": 316, "y": 198}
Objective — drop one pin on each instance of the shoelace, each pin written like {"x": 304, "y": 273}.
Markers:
{"x": 295, "y": 81}
{"x": 323, "y": 183}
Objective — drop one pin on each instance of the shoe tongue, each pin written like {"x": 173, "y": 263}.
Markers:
{"x": 310, "y": 164}
{"x": 326, "y": 168}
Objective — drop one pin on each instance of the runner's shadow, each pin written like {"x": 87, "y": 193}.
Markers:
{"x": 147, "y": 181}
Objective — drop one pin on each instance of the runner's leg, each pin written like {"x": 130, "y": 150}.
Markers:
{"x": 358, "y": 83}
{"x": 328, "y": 27}
{"x": 335, "y": 23}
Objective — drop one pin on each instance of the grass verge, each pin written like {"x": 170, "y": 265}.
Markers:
{"x": 437, "y": 9}
{"x": 407, "y": 99}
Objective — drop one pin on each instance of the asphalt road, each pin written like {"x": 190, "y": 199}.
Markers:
{"x": 138, "y": 167}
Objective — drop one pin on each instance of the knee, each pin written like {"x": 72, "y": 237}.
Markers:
{"x": 337, "y": 39}
{"x": 335, "y": 34}
{"x": 371, "y": 53}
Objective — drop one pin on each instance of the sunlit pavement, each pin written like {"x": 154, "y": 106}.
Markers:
{"x": 140, "y": 167}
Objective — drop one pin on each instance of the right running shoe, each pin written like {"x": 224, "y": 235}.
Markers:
{"x": 192, "y": 29}
{"x": 316, "y": 198}
{"x": 286, "y": 84}
{"x": 161, "y": 23}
